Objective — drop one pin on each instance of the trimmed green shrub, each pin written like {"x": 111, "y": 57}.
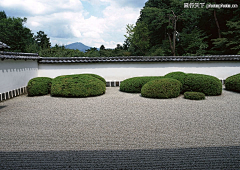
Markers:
{"x": 180, "y": 76}
{"x": 232, "y": 83}
{"x": 135, "y": 84}
{"x": 78, "y": 85}
{"x": 96, "y": 76}
{"x": 194, "y": 95}
{"x": 39, "y": 86}
{"x": 162, "y": 88}
{"x": 209, "y": 85}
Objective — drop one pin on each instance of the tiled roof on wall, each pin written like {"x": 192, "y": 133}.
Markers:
{"x": 18, "y": 56}
{"x": 49, "y": 60}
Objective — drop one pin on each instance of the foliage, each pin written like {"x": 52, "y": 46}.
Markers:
{"x": 60, "y": 51}
{"x": 14, "y": 33}
{"x": 39, "y": 86}
{"x": 194, "y": 95}
{"x": 77, "y": 86}
{"x": 209, "y": 85}
{"x": 164, "y": 28}
{"x": 193, "y": 43}
{"x": 42, "y": 40}
{"x": 97, "y": 76}
{"x": 180, "y": 76}
{"x": 232, "y": 83}
{"x": 134, "y": 84}
{"x": 140, "y": 38}
{"x": 162, "y": 88}
{"x": 20, "y": 38}
{"x": 92, "y": 52}
{"x": 171, "y": 29}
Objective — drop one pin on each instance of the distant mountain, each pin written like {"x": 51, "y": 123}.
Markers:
{"x": 77, "y": 46}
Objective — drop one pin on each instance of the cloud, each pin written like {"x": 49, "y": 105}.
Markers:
{"x": 41, "y": 7}
{"x": 92, "y": 22}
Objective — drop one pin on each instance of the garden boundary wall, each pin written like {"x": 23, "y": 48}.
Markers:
{"x": 16, "y": 69}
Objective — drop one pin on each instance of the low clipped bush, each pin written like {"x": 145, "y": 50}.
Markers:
{"x": 96, "y": 76}
{"x": 194, "y": 95}
{"x": 78, "y": 85}
{"x": 162, "y": 88}
{"x": 135, "y": 84}
{"x": 180, "y": 76}
{"x": 39, "y": 86}
{"x": 232, "y": 83}
{"x": 209, "y": 85}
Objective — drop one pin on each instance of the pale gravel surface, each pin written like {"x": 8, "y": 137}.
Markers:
{"x": 120, "y": 131}
{"x": 118, "y": 120}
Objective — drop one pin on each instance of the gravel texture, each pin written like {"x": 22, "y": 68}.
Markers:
{"x": 119, "y": 131}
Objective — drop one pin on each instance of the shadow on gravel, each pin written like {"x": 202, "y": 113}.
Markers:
{"x": 1, "y": 107}
{"x": 186, "y": 158}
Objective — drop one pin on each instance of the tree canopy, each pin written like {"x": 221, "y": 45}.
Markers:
{"x": 164, "y": 28}
{"x": 167, "y": 27}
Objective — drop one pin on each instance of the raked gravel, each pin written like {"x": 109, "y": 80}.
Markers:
{"x": 118, "y": 120}
{"x": 120, "y": 131}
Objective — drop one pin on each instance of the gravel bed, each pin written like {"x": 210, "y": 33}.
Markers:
{"x": 118, "y": 121}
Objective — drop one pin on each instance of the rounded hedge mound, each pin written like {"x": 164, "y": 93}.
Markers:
{"x": 180, "y": 76}
{"x": 232, "y": 83}
{"x": 96, "y": 76}
{"x": 194, "y": 95}
{"x": 135, "y": 84}
{"x": 162, "y": 88}
{"x": 39, "y": 86}
{"x": 209, "y": 85}
{"x": 79, "y": 85}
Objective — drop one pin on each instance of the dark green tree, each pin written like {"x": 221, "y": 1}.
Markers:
{"x": 42, "y": 40}
{"x": 14, "y": 33}
{"x": 165, "y": 27}
{"x": 230, "y": 42}
{"x": 3, "y": 15}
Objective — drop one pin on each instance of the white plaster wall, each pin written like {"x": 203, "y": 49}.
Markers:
{"x": 16, "y": 74}
{"x": 122, "y": 71}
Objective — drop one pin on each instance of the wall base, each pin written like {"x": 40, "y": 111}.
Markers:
{"x": 13, "y": 93}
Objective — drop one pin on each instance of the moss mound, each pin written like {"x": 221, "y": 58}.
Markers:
{"x": 78, "y": 85}
{"x": 232, "y": 83}
{"x": 135, "y": 84}
{"x": 180, "y": 76}
{"x": 39, "y": 86}
{"x": 162, "y": 88}
{"x": 194, "y": 95}
{"x": 209, "y": 85}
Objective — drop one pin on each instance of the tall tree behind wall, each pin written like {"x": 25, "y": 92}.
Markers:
{"x": 175, "y": 30}
{"x": 42, "y": 40}
{"x": 14, "y": 33}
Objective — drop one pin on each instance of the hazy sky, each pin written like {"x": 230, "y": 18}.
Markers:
{"x": 92, "y": 22}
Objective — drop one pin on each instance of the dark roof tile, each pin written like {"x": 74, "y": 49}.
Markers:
{"x": 18, "y": 56}
{"x": 45, "y": 60}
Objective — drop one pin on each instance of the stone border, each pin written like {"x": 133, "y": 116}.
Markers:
{"x": 13, "y": 93}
